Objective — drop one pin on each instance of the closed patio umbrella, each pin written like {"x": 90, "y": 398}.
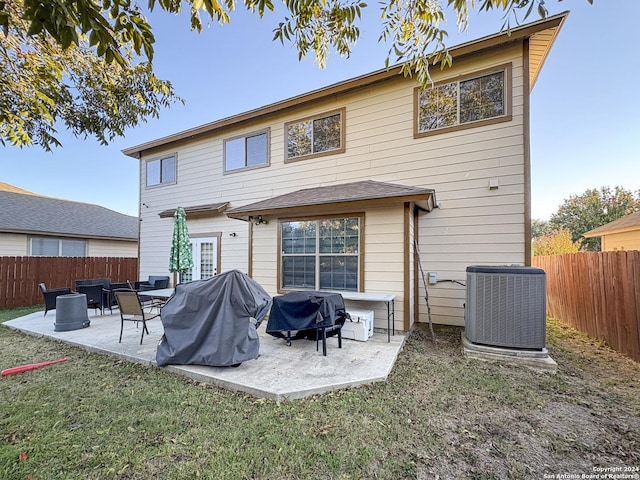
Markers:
{"x": 180, "y": 259}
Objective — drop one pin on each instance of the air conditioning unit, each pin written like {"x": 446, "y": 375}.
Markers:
{"x": 506, "y": 306}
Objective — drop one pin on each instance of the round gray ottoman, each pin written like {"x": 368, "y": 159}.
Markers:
{"x": 71, "y": 312}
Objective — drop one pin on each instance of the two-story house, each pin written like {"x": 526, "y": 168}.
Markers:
{"x": 333, "y": 189}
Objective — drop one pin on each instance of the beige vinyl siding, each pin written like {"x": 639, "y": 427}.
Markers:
{"x": 111, "y": 248}
{"x": 411, "y": 273}
{"x": 384, "y": 262}
{"x": 265, "y": 256}
{"x": 621, "y": 241}
{"x": 474, "y": 225}
{"x": 233, "y": 250}
{"x": 14, "y": 245}
{"x": 158, "y": 232}
{"x": 17, "y": 245}
{"x": 383, "y": 256}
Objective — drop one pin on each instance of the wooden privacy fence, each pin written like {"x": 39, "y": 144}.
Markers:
{"x": 597, "y": 293}
{"x": 20, "y": 276}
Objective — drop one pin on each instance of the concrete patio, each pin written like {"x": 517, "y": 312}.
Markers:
{"x": 279, "y": 373}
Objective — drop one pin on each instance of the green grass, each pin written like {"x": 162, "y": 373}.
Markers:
{"x": 9, "y": 313}
{"x": 438, "y": 414}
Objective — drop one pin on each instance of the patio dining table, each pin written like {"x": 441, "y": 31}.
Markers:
{"x": 160, "y": 294}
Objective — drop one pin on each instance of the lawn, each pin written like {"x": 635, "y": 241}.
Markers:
{"x": 440, "y": 415}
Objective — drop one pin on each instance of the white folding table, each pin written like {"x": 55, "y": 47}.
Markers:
{"x": 388, "y": 298}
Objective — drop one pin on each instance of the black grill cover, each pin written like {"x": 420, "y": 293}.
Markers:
{"x": 209, "y": 322}
{"x": 304, "y": 312}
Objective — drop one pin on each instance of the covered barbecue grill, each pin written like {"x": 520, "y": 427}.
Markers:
{"x": 307, "y": 314}
{"x": 213, "y": 322}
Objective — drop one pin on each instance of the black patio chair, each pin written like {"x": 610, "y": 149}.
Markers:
{"x": 131, "y": 310}
{"x": 109, "y": 298}
{"x": 50, "y": 295}
{"x": 94, "y": 296}
{"x": 155, "y": 282}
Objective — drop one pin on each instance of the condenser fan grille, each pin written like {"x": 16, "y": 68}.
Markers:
{"x": 506, "y": 306}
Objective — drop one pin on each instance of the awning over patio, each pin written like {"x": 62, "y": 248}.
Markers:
{"x": 198, "y": 211}
{"x": 347, "y": 196}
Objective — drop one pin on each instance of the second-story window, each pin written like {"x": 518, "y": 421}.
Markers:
{"x": 246, "y": 151}
{"x": 161, "y": 171}
{"x": 470, "y": 101}
{"x": 315, "y": 136}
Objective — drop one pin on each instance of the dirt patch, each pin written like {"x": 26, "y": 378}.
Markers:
{"x": 535, "y": 425}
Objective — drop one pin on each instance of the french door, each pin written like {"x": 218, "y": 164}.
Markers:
{"x": 205, "y": 259}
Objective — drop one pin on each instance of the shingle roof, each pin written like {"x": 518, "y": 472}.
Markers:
{"x": 198, "y": 211}
{"x": 344, "y": 195}
{"x": 628, "y": 222}
{"x": 30, "y": 213}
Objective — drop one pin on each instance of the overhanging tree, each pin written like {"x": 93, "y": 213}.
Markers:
{"x": 592, "y": 209}
{"x": 46, "y": 86}
{"x": 114, "y": 29}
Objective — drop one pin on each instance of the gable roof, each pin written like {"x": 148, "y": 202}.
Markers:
{"x": 624, "y": 224}
{"x": 334, "y": 197}
{"x": 541, "y": 35}
{"x": 34, "y": 214}
{"x": 5, "y": 187}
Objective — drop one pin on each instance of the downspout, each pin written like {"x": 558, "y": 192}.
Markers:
{"x": 527, "y": 154}
{"x": 406, "y": 266}
{"x": 250, "y": 250}
{"x": 139, "y": 210}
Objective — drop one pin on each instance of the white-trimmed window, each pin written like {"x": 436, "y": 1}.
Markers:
{"x": 468, "y": 102}
{"x": 246, "y": 151}
{"x": 57, "y": 247}
{"x": 322, "y": 254}
{"x": 161, "y": 171}
{"x": 315, "y": 136}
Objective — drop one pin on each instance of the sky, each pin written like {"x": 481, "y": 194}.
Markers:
{"x": 585, "y": 106}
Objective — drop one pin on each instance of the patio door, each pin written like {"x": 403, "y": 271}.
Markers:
{"x": 205, "y": 259}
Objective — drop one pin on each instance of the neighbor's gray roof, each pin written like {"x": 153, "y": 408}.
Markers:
{"x": 628, "y": 222}
{"x": 34, "y": 214}
{"x": 346, "y": 195}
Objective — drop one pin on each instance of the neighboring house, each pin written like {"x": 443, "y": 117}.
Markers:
{"x": 34, "y": 225}
{"x": 621, "y": 234}
{"x": 331, "y": 190}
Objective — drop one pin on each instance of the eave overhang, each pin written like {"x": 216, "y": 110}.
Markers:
{"x": 198, "y": 211}
{"x": 541, "y": 34}
{"x": 349, "y": 197}
{"x": 628, "y": 223}
{"x": 53, "y": 234}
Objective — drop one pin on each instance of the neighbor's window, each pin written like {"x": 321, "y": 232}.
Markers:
{"x": 247, "y": 151}
{"x": 315, "y": 136}
{"x": 321, "y": 254}
{"x": 464, "y": 103}
{"x": 161, "y": 170}
{"x": 57, "y": 247}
